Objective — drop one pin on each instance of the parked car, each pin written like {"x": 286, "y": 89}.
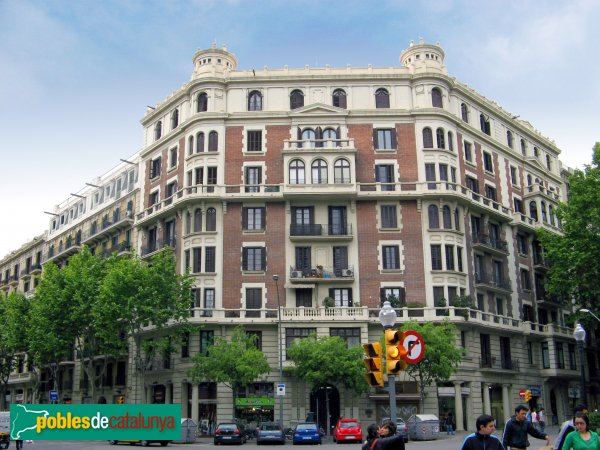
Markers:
{"x": 347, "y": 430}
{"x": 402, "y": 427}
{"x": 229, "y": 433}
{"x": 306, "y": 433}
{"x": 143, "y": 443}
{"x": 270, "y": 432}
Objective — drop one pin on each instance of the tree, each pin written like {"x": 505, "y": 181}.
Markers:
{"x": 328, "y": 360}
{"x": 138, "y": 299}
{"x": 441, "y": 358}
{"x": 234, "y": 363}
{"x": 574, "y": 255}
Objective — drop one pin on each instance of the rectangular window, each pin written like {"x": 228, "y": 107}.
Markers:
{"x": 472, "y": 184}
{"x": 391, "y": 257}
{"x": 253, "y": 179}
{"x": 490, "y": 192}
{"x": 395, "y": 295}
{"x": 171, "y": 189}
{"x": 486, "y": 352}
{"x": 253, "y": 218}
{"x": 304, "y": 298}
{"x": 459, "y": 259}
{"x": 499, "y": 306}
{"x": 341, "y": 296}
{"x": 468, "y": 152}
{"x": 209, "y": 301}
{"x": 385, "y": 139}
{"x": 199, "y": 175}
{"x": 439, "y": 298}
{"x": 209, "y": 259}
{"x": 525, "y": 280}
{"x": 253, "y": 298}
{"x": 350, "y": 335}
{"x": 545, "y": 356}
{"x": 513, "y": 176}
{"x": 211, "y": 175}
{"x": 207, "y": 338}
{"x": 529, "y": 353}
{"x": 254, "y": 140}
{"x": 430, "y": 176}
{"x": 518, "y": 206}
{"x": 436, "y": 257}
{"x": 384, "y": 174}
{"x": 254, "y": 258}
{"x": 294, "y": 334}
{"x": 257, "y": 335}
{"x": 155, "y": 168}
{"x": 173, "y": 157}
{"x": 185, "y": 345}
{"x": 572, "y": 359}
{"x": 449, "y": 257}
{"x": 487, "y": 162}
{"x": 196, "y": 259}
{"x": 560, "y": 355}
{"x": 153, "y": 198}
{"x": 388, "y": 216}
{"x": 303, "y": 260}
{"x": 505, "y": 354}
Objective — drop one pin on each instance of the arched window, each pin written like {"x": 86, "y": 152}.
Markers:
{"x": 544, "y": 215}
{"x": 200, "y": 142}
{"x": 439, "y": 135}
{"x": 174, "y": 119}
{"x": 211, "y": 219}
{"x": 341, "y": 171}
{"x": 436, "y": 98}
{"x": 319, "y": 171}
{"x": 255, "y": 101}
{"x": 536, "y": 152}
{"x": 509, "y": 138}
{"x": 484, "y": 123}
{"x": 213, "y": 141}
{"x": 427, "y": 138}
{"x": 197, "y": 220}
{"x": 329, "y": 136}
{"x": 202, "y": 102}
{"x": 296, "y": 99}
{"x": 157, "y": 130}
{"x": 382, "y": 98}
{"x": 190, "y": 145}
{"x": 523, "y": 147}
{"x": 464, "y": 112}
{"x": 450, "y": 141}
{"x": 339, "y": 98}
{"x": 309, "y": 136}
{"x": 297, "y": 172}
{"x": 456, "y": 220}
{"x": 434, "y": 219}
{"x": 533, "y": 211}
{"x": 446, "y": 217}
{"x": 528, "y": 180}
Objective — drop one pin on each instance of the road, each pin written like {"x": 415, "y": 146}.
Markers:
{"x": 443, "y": 443}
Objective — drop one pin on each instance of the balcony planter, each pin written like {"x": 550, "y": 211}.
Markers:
{"x": 328, "y": 302}
{"x": 415, "y": 309}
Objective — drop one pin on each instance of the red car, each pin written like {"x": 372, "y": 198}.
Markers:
{"x": 347, "y": 430}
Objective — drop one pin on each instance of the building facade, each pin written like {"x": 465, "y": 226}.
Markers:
{"x": 352, "y": 185}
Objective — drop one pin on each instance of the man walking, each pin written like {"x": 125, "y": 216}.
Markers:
{"x": 483, "y": 438}
{"x": 517, "y": 429}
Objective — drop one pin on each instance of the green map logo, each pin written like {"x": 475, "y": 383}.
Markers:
{"x": 95, "y": 422}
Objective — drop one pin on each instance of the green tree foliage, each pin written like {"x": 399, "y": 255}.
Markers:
{"x": 234, "y": 363}
{"x": 575, "y": 255}
{"x": 328, "y": 360}
{"x": 442, "y": 355}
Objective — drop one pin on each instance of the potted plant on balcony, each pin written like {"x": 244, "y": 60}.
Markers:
{"x": 328, "y": 302}
{"x": 465, "y": 302}
{"x": 415, "y": 309}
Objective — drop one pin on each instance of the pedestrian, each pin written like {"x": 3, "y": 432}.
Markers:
{"x": 18, "y": 444}
{"x": 483, "y": 438}
{"x": 534, "y": 418}
{"x": 569, "y": 426}
{"x": 583, "y": 438}
{"x": 389, "y": 437}
{"x": 372, "y": 437}
{"x": 517, "y": 428}
{"x": 542, "y": 419}
{"x": 449, "y": 422}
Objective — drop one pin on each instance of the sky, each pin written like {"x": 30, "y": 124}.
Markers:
{"x": 76, "y": 76}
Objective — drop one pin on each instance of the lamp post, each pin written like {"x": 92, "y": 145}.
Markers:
{"x": 587, "y": 311}
{"x": 387, "y": 317}
{"x": 579, "y": 334}
{"x": 276, "y": 280}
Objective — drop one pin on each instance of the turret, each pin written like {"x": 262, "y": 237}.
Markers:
{"x": 423, "y": 57}
{"x": 213, "y": 61}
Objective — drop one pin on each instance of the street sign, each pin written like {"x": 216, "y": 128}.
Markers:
{"x": 573, "y": 392}
{"x": 53, "y": 395}
{"x": 415, "y": 346}
{"x": 522, "y": 393}
{"x": 281, "y": 389}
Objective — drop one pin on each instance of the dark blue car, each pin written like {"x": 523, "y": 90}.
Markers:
{"x": 306, "y": 433}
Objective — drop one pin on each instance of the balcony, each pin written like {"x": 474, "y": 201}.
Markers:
{"x": 539, "y": 189}
{"x": 156, "y": 246}
{"x": 320, "y": 146}
{"x": 310, "y": 232}
{"x": 288, "y": 314}
{"x": 493, "y": 363}
{"x": 320, "y": 274}
{"x": 491, "y": 283}
{"x": 496, "y": 246}
{"x": 13, "y": 280}
{"x": 71, "y": 247}
{"x": 108, "y": 227}
{"x": 540, "y": 263}
{"x": 524, "y": 221}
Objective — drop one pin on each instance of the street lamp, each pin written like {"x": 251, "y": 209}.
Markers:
{"x": 276, "y": 280}
{"x": 387, "y": 317}
{"x": 584, "y": 310}
{"x": 579, "y": 334}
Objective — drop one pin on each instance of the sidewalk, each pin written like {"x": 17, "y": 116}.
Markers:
{"x": 551, "y": 431}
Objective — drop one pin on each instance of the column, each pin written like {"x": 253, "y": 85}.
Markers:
{"x": 184, "y": 399}
{"x": 195, "y": 402}
{"x": 487, "y": 409}
{"x": 168, "y": 393}
{"x": 505, "y": 402}
{"x": 458, "y": 406}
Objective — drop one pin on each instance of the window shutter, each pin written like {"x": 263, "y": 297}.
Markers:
{"x": 244, "y": 218}
{"x": 331, "y": 292}
{"x": 338, "y": 133}
{"x": 263, "y": 254}
{"x": 394, "y": 140}
{"x": 375, "y": 144}
{"x": 259, "y": 176}
{"x": 382, "y": 297}
{"x": 244, "y": 258}
{"x": 319, "y": 137}
{"x": 299, "y": 137}
{"x": 402, "y": 296}
{"x": 264, "y": 218}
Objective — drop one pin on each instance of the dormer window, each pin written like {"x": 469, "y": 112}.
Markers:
{"x": 255, "y": 101}
{"x": 296, "y": 99}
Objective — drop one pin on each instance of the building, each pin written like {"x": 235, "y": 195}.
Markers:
{"x": 352, "y": 185}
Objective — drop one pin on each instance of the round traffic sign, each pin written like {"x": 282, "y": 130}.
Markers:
{"x": 415, "y": 346}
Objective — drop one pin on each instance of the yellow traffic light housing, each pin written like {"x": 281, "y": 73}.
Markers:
{"x": 120, "y": 399}
{"x": 373, "y": 363}
{"x": 395, "y": 352}
{"x": 528, "y": 395}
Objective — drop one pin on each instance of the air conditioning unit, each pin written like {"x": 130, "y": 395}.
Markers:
{"x": 296, "y": 274}
{"x": 347, "y": 273}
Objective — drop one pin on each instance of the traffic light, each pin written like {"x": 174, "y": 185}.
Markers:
{"x": 373, "y": 363}
{"x": 394, "y": 352}
{"x": 527, "y": 395}
{"x": 121, "y": 399}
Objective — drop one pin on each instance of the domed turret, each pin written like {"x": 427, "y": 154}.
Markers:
{"x": 213, "y": 60}
{"x": 423, "y": 57}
